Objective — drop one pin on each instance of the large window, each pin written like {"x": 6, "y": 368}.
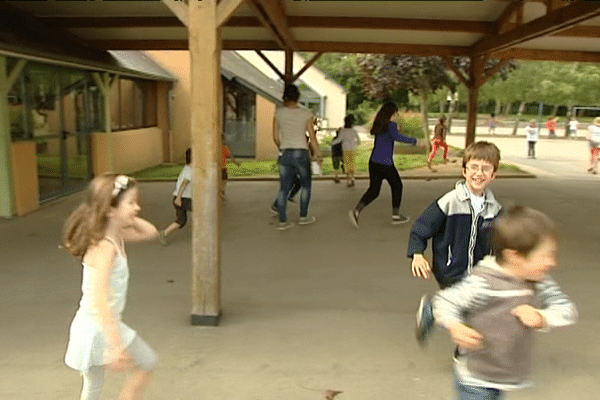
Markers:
{"x": 133, "y": 104}
{"x": 239, "y": 119}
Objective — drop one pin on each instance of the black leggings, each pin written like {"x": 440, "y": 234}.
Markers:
{"x": 377, "y": 173}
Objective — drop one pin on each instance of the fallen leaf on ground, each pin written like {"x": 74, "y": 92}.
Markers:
{"x": 330, "y": 394}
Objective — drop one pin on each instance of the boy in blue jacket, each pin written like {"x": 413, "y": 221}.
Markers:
{"x": 459, "y": 225}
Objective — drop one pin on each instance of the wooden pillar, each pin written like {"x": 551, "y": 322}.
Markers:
{"x": 475, "y": 81}
{"x": 205, "y": 51}
{"x": 289, "y": 67}
{"x": 7, "y": 200}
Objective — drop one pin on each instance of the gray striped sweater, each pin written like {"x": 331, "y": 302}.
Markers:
{"x": 483, "y": 301}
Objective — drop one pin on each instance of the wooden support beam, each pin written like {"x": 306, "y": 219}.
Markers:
{"x": 457, "y": 72}
{"x": 576, "y": 12}
{"x": 270, "y": 64}
{"x": 487, "y": 75}
{"x": 580, "y": 31}
{"x": 505, "y": 17}
{"x": 553, "y": 5}
{"x": 475, "y": 81}
{"x": 264, "y": 20}
{"x": 225, "y": 10}
{"x": 406, "y": 24}
{"x": 548, "y": 55}
{"x": 519, "y": 14}
{"x": 306, "y": 66}
{"x": 275, "y": 13}
{"x": 206, "y": 127}
{"x": 289, "y": 67}
{"x": 112, "y": 22}
{"x": 435, "y": 25}
{"x": 180, "y": 9}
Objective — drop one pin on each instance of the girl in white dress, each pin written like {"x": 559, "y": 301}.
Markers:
{"x": 96, "y": 231}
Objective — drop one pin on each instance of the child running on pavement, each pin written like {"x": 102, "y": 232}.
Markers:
{"x": 97, "y": 231}
{"x": 458, "y": 224}
{"x": 493, "y": 313}
{"x": 439, "y": 140}
{"x": 349, "y": 139}
{"x": 182, "y": 199}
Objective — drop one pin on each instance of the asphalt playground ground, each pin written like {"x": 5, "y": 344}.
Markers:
{"x": 314, "y": 308}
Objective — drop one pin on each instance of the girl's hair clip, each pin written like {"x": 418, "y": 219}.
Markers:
{"x": 121, "y": 182}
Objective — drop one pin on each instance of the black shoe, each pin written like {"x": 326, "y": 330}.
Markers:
{"x": 425, "y": 321}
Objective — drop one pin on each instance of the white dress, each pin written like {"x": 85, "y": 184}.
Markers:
{"x": 87, "y": 345}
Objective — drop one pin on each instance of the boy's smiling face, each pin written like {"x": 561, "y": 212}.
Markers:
{"x": 535, "y": 265}
{"x": 478, "y": 174}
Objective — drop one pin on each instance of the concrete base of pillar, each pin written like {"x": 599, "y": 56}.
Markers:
{"x": 206, "y": 320}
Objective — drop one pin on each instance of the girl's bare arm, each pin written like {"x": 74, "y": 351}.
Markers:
{"x": 140, "y": 231}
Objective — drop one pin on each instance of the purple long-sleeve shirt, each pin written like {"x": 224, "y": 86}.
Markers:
{"x": 383, "y": 150}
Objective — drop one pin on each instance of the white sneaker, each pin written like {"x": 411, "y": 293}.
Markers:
{"x": 353, "y": 214}
{"x": 282, "y": 226}
{"x": 400, "y": 219}
{"x": 306, "y": 220}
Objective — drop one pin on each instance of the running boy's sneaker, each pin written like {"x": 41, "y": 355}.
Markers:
{"x": 306, "y": 220}
{"x": 282, "y": 226}
{"x": 400, "y": 219}
{"x": 162, "y": 238}
{"x": 425, "y": 320}
{"x": 353, "y": 214}
{"x": 274, "y": 209}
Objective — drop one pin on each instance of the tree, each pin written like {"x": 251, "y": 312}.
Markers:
{"x": 382, "y": 75}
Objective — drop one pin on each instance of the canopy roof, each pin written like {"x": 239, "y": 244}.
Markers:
{"x": 537, "y": 30}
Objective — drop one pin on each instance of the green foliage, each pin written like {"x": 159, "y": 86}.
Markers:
{"x": 412, "y": 125}
{"x": 365, "y": 112}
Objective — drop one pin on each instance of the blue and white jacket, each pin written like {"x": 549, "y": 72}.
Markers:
{"x": 460, "y": 238}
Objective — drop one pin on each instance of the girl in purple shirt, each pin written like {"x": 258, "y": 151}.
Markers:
{"x": 381, "y": 163}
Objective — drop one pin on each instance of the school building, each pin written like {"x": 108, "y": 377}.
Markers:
{"x": 74, "y": 112}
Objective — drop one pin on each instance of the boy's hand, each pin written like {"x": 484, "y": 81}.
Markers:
{"x": 420, "y": 267}
{"x": 529, "y": 316}
{"x": 177, "y": 201}
{"x": 464, "y": 336}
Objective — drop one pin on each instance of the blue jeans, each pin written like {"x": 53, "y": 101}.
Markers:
{"x": 294, "y": 162}
{"x": 465, "y": 392}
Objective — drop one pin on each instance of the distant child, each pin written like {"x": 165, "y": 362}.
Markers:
{"x": 551, "y": 126}
{"x": 97, "y": 231}
{"x": 532, "y": 134}
{"x": 337, "y": 157}
{"x": 492, "y": 122}
{"x": 573, "y": 126}
{"x": 493, "y": 313}
{"x": 349, "y": 139}
{"x": 593, "y": 138}
{"x": 182, "y": 200}
{"x": 439, "y": 140}
{"x": 459, "y": 225}
{"x": 225, "y": 154}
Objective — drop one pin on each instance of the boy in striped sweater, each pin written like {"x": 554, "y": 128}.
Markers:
{"x": 492, "y": 314}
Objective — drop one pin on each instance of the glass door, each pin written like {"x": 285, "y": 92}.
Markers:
{"x": 59, "y": 120}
